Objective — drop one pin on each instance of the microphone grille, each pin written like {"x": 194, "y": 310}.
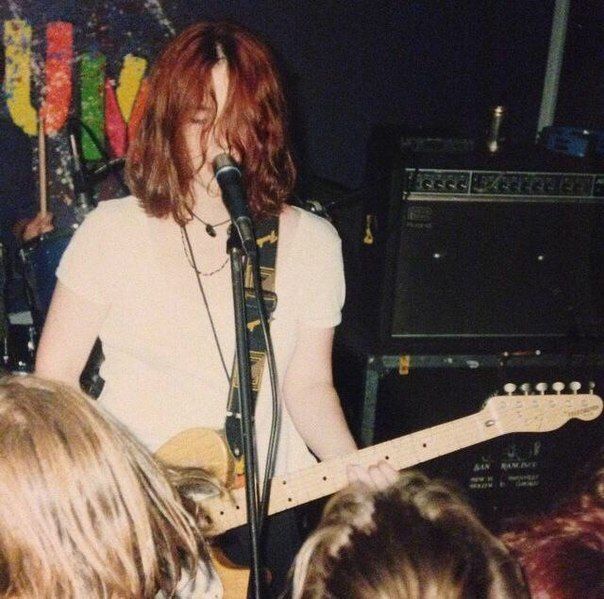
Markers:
{"x": 224, "y": 161}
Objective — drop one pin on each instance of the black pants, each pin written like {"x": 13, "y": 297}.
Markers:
{"x": 280, "y": 545}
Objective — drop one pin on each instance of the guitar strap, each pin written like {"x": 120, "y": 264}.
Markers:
{"x": 267, "y": 234}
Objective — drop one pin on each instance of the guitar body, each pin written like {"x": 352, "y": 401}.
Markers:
{"x": 199, "y": 448}
{"x": 206, "y": 448}
{"x": 235, "y": 578}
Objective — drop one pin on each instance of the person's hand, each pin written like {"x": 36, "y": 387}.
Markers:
{"x": 377, "y": 476}
{"x": 41, "y": 223}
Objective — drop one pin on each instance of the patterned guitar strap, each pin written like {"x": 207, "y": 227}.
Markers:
{"x": 267, "y": 234}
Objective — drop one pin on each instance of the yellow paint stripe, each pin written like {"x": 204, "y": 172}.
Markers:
{"x": 129, "y": 82}
{"x": 17, "y": 83}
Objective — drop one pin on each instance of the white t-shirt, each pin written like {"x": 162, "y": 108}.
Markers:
{"x": 162, "y": 370}
{"x": 204, "y": 585}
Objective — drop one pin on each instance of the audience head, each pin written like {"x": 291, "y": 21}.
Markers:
{"x": 84, "y": 509}
{"x": 562, "y": 553}
{"x": 416, "y": 539}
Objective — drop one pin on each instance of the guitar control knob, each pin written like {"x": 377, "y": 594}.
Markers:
{"x": 558, "y": 387}
{"x": 575, "y": 386}
{"x": 541, "y": 387}
{"x": 509, "y": 388}
{"x": 525, "y": 388}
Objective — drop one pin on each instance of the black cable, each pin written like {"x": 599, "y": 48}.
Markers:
{"x": 276, "y": 418}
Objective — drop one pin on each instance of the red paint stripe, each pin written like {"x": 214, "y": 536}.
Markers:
{"x": 115, "y": 127}
{"x": 138, "y": 109}
{"x": 58, "y": 81}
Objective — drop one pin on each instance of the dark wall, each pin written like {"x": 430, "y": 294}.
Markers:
{"x": 581, "y": 93}
{"x": 421, "y": 65}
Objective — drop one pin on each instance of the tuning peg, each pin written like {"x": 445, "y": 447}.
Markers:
{"x": 558, "y": 387}
{"x": 525, "y": 388}
{"x": 574, "y": 386}
{"x": 541, "y": 387}
{"x": 591, "y": 386}
{"x": 509, "y": 388}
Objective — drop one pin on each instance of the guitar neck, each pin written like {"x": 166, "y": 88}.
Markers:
{"x": 501, "y": 415}
{"x": 330, "y": 476}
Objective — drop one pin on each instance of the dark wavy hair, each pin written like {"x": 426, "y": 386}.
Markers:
{"x": 253, "y": 123}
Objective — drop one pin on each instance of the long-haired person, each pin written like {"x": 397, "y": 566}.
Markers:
{"x": 415, "y": 539}
{"x": 562, "y": 552}
{"x": 85, "y": 511}
{"x": 149, "y": 273}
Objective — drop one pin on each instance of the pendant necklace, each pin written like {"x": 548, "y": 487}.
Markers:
{"x": 210, "y": 229}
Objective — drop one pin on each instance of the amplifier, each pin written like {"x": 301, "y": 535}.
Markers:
{"x": 459, "y": 259}
{"x": 456, "y": 185}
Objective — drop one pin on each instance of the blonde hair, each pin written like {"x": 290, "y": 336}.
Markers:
{"x": 418, "y": 539}
{"x": 85, "y": 511}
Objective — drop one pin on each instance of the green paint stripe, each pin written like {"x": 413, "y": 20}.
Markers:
{"x": 92, "y": 111}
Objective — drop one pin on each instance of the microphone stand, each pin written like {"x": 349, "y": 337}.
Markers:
{"x": 252, "y": 498}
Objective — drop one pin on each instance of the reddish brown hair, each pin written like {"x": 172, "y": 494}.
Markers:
{"x": 562, "y": 553}
{"x": 253, "y": 122}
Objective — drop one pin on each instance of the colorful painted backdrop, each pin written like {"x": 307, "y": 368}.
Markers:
{"x": 78, "y": 67}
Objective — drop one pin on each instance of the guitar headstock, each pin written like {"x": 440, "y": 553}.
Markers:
{"x": 543, "y": 407}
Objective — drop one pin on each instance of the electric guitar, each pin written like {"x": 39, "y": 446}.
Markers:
{"x": 501, "y": 415}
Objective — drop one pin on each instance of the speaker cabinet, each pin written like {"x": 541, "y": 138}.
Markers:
{"x": 495, "y": 271}
{"x": 512, "y": 474}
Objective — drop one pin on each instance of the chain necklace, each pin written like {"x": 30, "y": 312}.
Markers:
{"x": 186, "y": 244}
{"x": 210, "y": 229}
{"x": 188, "y": 247}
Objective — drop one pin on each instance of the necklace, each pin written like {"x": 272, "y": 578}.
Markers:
{"x": 188, "y": 248}
{"x": 186, "y": 241}
{"x": 210, "y": 229}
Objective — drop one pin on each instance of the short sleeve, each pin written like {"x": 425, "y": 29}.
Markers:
{"x": 321, "y": 284}
{"x": 90, "y": 264}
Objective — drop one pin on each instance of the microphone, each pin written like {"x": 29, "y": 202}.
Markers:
{"x": 229, "y": 178}
{"x": 83, "y": 203}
